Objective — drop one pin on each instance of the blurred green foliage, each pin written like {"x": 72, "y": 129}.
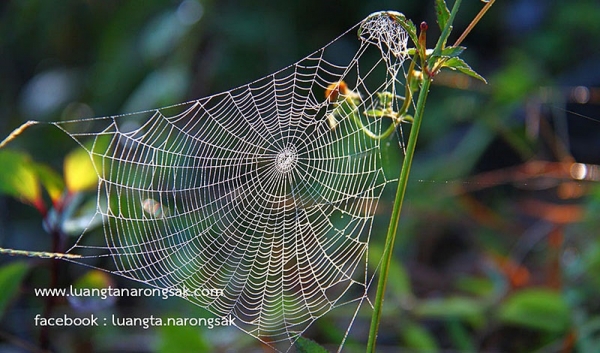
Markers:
{"x": 499, "y": 248}
{"x": 11, "y": 276}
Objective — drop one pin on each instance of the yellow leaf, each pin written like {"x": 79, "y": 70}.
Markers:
{"x": 79, "y": 171}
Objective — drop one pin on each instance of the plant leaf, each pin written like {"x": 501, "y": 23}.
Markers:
{"x": 442, "y": 13}
{"x": 458, "y": 308}
{"x": 452, "y": 52}
{"x": 516, "y": 80}
{"x": 460, "y": 336}
{"x": 460, "y": 65}
{"x": 79, "y": 171}
{"x": 477, "y": 286}
{"x": 304, "y": 345}
{"x": 416, "y": 337}
{"x": 540, "y": 309}
{"x": 18, "y": 177}
{"x": 51, "y": 181}
{"x": 11, "y": 276}
{"x": 182, "y": 339}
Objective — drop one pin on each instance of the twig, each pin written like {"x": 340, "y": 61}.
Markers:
{"x": 474, "y": 22}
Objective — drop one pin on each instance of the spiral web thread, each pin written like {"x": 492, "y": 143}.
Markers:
{"x": 263, "y": 192}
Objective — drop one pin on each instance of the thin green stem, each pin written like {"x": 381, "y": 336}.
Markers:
{"x": 404, "y": 173}
{"x": 393, "y": 227}
{"x": 402, "y": 183}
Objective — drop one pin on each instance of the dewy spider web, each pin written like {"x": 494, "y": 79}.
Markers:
{"x": 266, "y": 192}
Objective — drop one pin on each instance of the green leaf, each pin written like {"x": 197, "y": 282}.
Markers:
{"x": 51, "y": 180}
{"x": 182, "y": 339}
{"x": 481, "y": 287}
{"x": 11, "y": 276}
{"x": 517, "y": 80}
{"x": 416, "y": 337}
{"x": 407, "y": 24}
{"x": 447, "y": 52}
{"x": 462, "y": 66}
{"x": 442, "y": 13}
{"x": 18, "y": 177}
{"x": 304, "y": 345}
{"x": 538, "y": 309}
{"x": 452, "y": 52}
{"x": 460, "y": 336}
{"x": 458, "y": 308}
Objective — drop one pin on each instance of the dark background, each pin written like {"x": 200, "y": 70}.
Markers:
{"x": 498, "y": 248}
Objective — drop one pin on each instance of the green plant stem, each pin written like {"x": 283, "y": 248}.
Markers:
{"x": 403, "y": 179}
{"x": 393, "y": 227}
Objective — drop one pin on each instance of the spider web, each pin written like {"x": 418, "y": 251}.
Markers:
{"x": 265, "y": 193}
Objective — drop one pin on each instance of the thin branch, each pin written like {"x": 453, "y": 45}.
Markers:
{"x": 474, "y": 22}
